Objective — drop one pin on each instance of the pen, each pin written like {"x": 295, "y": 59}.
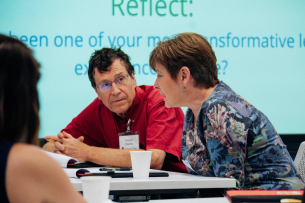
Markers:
{"x": 115, "y": 169}
{"x": 72, "y": 164}
{"x": 83, "y": 174}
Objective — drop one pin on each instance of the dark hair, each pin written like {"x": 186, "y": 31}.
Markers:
{"x": 191, "y": 50}
{"x": 102, "y": 59}
{"x": 19, "y": 105}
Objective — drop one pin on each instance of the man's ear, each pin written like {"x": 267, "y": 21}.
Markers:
{"x": 98, "y": 95}
{"x": 132, "y": 75}
{"x": 133, "y": 79}
{"x": 185, "y": 75}
{"x": 95, "y": 89}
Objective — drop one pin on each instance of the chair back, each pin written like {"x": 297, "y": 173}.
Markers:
{"x": 299, "y": 160}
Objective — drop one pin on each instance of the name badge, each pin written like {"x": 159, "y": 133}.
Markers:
{"x": 129, "y": 141}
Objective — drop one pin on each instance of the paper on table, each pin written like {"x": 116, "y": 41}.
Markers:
{"x": 62, "y": 160}
{"x": 188, "y": 165}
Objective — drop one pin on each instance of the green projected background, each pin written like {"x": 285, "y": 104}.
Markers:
{"x": 260, "y": 47}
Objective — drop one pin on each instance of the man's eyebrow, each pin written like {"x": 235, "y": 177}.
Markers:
{"x": 115, "y": 76}
{"x": 118, "y": 74}
{"x": 102, "y": 81}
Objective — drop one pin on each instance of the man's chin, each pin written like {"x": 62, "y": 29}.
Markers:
{"x": 119, "y": 110}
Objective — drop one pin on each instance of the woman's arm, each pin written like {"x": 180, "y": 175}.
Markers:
{"x": 32, "y": 176}
{"x": 226, "y": 140}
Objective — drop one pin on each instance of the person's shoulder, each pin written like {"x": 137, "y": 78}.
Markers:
{"x": 28, "y": 162}
{"x": 31, "y": 160}
{"x": 22, "y": 152}
{"x": 217, "y": 100}
{"x": 217, "y": 97}
{"x": 150, "y": 97}
{"x": 38, "y": 177}
{"x": 96, "y": 103}
{"x": 223, "y": 95}
{"x": 27, "y": 155}
{"x": 222, "y": 92}
{"x": 149, "y": 93}
{"x": 226, "y": 94}
{"x": 94, "y": 106}
{"x": 225, "y": 101}
{"x": 155, "y": 101}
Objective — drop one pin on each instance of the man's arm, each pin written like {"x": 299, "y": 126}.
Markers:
{"x": 121, "y": 158}
{"x": 72, "y": 147}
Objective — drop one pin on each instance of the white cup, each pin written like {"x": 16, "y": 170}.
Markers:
{"x": 96, "y": 188}
{"x": 140, "y": 161}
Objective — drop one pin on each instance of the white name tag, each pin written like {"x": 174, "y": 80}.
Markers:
{"x": 129, "y": 142}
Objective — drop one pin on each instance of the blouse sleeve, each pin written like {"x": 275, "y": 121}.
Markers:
{"x": 225, "y": 133}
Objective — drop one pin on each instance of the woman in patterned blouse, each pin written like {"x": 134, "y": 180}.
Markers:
{"x": 223, "y": 134}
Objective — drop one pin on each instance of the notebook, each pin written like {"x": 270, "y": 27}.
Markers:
{"x": 263, "y": 195}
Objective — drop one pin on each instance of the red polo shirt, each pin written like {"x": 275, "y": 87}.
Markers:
{"x": 159, "y": 127}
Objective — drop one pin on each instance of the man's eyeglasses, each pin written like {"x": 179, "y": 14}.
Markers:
{"x": 121, "y": 80}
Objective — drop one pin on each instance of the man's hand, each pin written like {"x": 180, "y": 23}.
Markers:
{"x": 73, "y": 147}
{"x": 55, "y": 143}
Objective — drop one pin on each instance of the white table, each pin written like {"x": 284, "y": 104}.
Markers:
{"x": 175, "y": 181}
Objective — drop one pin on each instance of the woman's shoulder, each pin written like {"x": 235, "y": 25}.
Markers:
{"x": 25, "y": 158}
{"x": 224, "y": 99}
{"x": 26, "y": 152}
{"x": 33, "y": 176}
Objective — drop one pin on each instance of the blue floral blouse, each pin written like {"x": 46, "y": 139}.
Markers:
{"x": 233, "y": 139}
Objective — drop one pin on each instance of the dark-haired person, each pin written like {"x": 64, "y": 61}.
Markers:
{"x": 223, "y": 134}
{"x": 26, "y": 173}
{"x": 93, "y": 134}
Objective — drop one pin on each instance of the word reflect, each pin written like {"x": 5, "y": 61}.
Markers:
{"x": 161, "y": 8}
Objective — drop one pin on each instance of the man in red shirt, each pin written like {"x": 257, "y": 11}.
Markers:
{"x": 94, "y": 134}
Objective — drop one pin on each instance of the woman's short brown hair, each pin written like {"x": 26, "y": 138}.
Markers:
{"x": 191, "y": 50}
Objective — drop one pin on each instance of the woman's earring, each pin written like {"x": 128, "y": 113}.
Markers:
{"x": 183, "y": 89}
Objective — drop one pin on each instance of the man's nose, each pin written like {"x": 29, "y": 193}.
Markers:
{"x": 115, "y": 89}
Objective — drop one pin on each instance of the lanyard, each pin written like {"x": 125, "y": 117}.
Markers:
{"x": 129, "y": 139}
